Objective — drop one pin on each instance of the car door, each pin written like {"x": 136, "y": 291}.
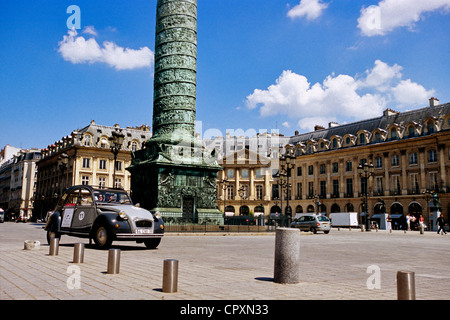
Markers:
{"x": 302, "y": 223}
{"x": 68, "y": 209}
{"x": 85, "y": 212}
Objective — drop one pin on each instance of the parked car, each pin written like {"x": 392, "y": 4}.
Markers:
{"x": 312, "y": 222}
{"x": 2, "y": 216}
{"x": 104, "y": 215}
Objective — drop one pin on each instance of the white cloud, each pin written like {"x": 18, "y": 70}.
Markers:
{"x": 340, "y": 98}
{"x": 90, "y": 30}
{"x": 77, "y": 49}
{"x": 407, "y": 93}
{"x": 310, "y": 9}
{"x": 391, "y": 14}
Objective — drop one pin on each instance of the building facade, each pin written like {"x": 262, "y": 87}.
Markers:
{"x": 18, "y": 177}
{"x": 85, "y": 158}
{"x": 410, "y": 154}
{"x": 247, "y": 184}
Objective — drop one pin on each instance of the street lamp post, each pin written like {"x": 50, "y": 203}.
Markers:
{"x": 225, "y": 194}
{"x": 431, "y": 195}
{"x": 63, "y": 161}
{"x": 316, "y": 201}
{"x": 281, "y": 184}
{"x": 116, "y": 145}
{"x": 286, "y": 165}
{"x": 242, "y": 194}
{"x": 366, "y": 171}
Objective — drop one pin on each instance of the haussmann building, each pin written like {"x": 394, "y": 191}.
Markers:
{"x": 398, "y": 163}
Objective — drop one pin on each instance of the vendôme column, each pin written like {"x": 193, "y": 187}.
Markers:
{"x": 174, "y": 174}
{"x": 175, "y": 69}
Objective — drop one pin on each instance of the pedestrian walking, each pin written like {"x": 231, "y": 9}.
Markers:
{"x": 408, "y": 222}
{"x": 389, "y": 223}
{"x": 421, "y": 222}
{"x": 441, "y": 222}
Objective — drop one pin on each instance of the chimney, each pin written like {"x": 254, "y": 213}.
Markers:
{"x": 333, "y": 124}
{"x": 434, "y": 102}
{"x": 389, "y": 112}
{"x": 317, "y": 128}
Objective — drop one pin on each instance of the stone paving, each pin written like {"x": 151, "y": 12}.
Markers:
{"x": 337, "y": 266}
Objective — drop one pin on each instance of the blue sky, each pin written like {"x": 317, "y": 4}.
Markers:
{"x": 262, "y": 65}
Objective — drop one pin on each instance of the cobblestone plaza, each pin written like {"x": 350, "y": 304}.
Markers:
{"x": 337, "y": 266}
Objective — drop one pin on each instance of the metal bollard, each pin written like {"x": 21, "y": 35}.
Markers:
{"x": 170, "y": 276}
{"x": 113, "y": 261}
{"x": 54, "y": 247}
{"x": 422, "y": 229}
{"x": 287, "y": 256}
{"x": 78, "y": 253}
{"x": 406, "y": 286}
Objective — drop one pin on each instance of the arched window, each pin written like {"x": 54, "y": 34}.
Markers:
{"x": 259, "y": 209}
{"x": 275, "y": 209}
{"x": 229, "y": 211}
{"x": 349, "y": 207}
{"x": 244, "y": 211}
{"x": 335, "y": 208}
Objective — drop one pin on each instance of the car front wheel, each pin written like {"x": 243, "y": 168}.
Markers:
{"x": 152, "y": 243}
{"x": 102, "y": 238}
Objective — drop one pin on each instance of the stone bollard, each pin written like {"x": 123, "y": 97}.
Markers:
{"x": 287, "y": 256}
{"x": 78, "y": 253}
{"x": 113, "y": 261}
{"x": 406, "y": 286}
{"x": 31, "y": 245}
{"x": 54, "y": 247}
{"x": 170, "y": 276}
{"x": 422, "y": 229}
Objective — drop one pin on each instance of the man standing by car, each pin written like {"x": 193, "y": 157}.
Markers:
{"x": 441, "y": 222}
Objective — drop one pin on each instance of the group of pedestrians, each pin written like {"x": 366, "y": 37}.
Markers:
{"x": 411, "y": 220}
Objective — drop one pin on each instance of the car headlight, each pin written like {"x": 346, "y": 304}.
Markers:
{"x": 123, "y": 215}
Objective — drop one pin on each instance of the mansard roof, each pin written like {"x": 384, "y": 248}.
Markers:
{"x": 383, "y": 122}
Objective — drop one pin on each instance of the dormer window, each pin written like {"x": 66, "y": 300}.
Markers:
{"x": 362, "y": 138}
{"x": 393, "y": 133}
{"x": 411, "y": 132}
{"x": 87, "y": 140}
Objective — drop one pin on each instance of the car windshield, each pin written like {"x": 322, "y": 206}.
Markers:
{"x": 111, "y": 196}
{"x": 322, "y": 218}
